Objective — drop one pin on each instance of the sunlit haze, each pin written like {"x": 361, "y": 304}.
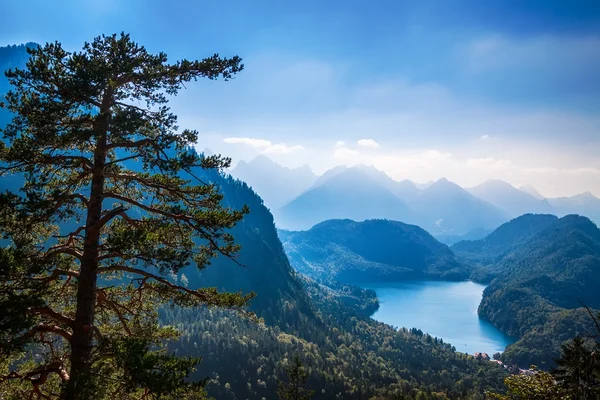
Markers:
{"x": 421, "y": 90}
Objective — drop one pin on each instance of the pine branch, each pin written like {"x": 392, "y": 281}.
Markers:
{"x": 48, "y": 312}
{"x": 199, "y": 295}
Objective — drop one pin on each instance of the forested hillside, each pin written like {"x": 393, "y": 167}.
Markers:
{"x": 264, "y": 269}
{"x": 347, "y": 355}
{"x": 373, "y": 250}
{"x": 486, "y": 253}
{"x": 540, "y": 286}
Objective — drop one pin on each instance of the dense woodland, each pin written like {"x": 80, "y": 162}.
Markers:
{"x": 369, "y": 251}
{"x": 545, "y": 270}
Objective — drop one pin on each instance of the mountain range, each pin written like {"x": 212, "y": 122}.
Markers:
{"x": 355, "y": 193}
{"x": 277, "y": 187}
{"x": 446, "y": 210}
{"x": 513, "y": 201}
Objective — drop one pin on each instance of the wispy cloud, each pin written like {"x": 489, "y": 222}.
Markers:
{"x": 344, "y": 153}
{"x": 370, "y": 143}
{"x": 265, "y": 146}
{"x": 252, "y": 142}
{"x": 282, "y": 148}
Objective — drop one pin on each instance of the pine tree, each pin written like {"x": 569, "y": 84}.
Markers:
{"x": 538, "y": 386}
{"x": 578, "y": 370}
{"x": 110, "y": 212}
{"x": 293, "y": 389}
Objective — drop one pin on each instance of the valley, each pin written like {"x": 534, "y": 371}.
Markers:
{"x": 134, "y": 266}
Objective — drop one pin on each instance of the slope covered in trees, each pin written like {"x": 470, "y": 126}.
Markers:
{"x": 346, "y": 354}
{"x": 487, "y": 252}
{"x": 371, "y": 250}
{"x": 265, "y": 268}
{"x": 539, "y": 285}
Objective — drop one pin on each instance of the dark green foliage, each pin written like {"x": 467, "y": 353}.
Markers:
{"x": 372, "y": 250}
{"x": 576, "y": 377}
{"x": 108, "y": 213}
{"x": 540, "y": 283}
{"x": 486, "y": 252}
{"x": 578, "y": 369}
{"x": 345, "y": 354}
{"x": 293, "y": 388}
{"x": 155, "y": 371}
{"x": 266, "y": 272}
{"x": 538, "y": 386}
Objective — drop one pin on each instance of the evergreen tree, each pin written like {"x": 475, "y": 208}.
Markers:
{"x": 294, "y": 389}
{"x": 538, "y": 386}
{"x": 110, "y": 211}
{"x": 578, "y": 370}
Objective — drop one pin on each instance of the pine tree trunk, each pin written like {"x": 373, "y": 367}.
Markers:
{"x": 80, "y": 385}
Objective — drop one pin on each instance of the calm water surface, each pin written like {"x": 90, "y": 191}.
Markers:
{"x": 447, "y": 310}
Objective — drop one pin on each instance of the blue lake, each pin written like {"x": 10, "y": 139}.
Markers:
{"x": 447, "y": 310}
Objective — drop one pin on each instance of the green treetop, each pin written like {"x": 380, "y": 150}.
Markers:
{"x": 90, "y": 244}
{"x": 294, "y": 388}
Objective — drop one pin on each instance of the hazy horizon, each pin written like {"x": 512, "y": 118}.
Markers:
{"x": 469, "y": 91}
{"x": 417, "y": 183}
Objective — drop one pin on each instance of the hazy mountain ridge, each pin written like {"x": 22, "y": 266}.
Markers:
{"x": 513, "y": 201}
{"x": 585, "y": 204}
{"x": 448, "y": 211}
{"x": 360, "y": 193}
{"x": 453, "y": 210}
{"x": 277, "y": 185}
{"x": 352, "y": 194}
{"x": 371, "y": 250}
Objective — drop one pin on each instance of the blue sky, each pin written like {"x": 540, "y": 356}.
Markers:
{"x": 470, "y": 90}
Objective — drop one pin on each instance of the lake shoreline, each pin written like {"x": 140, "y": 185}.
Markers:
{"x": 443, "y": 309}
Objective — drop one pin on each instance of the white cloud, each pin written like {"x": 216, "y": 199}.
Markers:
{"x": 252, "y": 142}
{"x": 344, "y": 153}
{"x": 484, "y": 137}
{"x": 264, "y": 146}
{"x": 339, "y": 143}
{"x": 282, "y": 148}
{"x": 368, "y": 143}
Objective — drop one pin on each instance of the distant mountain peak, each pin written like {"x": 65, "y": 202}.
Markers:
{"x": 275, "y": 183}
{"x": 443, "y": 183}
{"x": 587, "y": 194}
{"x": 529, "y": 189}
